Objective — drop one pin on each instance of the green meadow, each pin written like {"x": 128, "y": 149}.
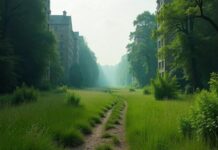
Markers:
{"x": 40, "y": 125}
{"x": 154, "y": 125}
{"x": 52, "y": 124}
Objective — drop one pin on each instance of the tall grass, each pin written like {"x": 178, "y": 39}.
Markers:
{"x": 45, "y": 123}
{"x": 154, "y": 125}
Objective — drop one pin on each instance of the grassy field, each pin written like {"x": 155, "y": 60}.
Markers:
{"x": 35, "y": 125}
{"x": 154, "y": 125}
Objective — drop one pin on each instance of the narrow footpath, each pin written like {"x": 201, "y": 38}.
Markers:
{"x": 116, "y": 140}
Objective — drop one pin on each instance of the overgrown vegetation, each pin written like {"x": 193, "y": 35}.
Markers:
{"x": 49, "y": 123}
{"x": 69, "y": 138}
{"x": 115, "y": 115}
{"x": 153, "y": 125}
{"x": 202, "y": 120}
{"x": 104, "y": 147}
{"x": 73, "y": 99}
{"x": 24, "y": 94}
{"x": 147, "y": 90}
{"x": 165, "y": 87}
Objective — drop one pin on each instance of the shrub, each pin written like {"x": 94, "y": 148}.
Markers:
{"x": 165, "y": 87}
{"x": 146, "y": 90}
{"x": 214, "y": 83}
{"x": 132, "y": 90}
{"x": 24, "y": 94}
{"x": 84, "y": 128}
{"x": 71, "y": 138}
{"x": 186, "y": 127}
{"x": 73, "y": 99}
{"x": 203, "y": 118}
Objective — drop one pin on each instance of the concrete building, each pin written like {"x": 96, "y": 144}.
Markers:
{"x": 161, "y": 42}
{"x": 61, "y": 25}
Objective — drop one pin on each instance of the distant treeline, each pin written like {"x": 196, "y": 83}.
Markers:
{"x": 28, "y": 48}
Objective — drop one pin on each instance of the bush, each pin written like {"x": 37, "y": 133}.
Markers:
{"x": 73, "y": 99}
{"x": 214, "y": 83}
{"x": 165, "y": 87}
{"x": 132, "y": 90}
{"x": 71, "y": 138}
{"x": 203, "y": 118}
{"x": 146, "y": 90}
{"x": 24, "y": 94}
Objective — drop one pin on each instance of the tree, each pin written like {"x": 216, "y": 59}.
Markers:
{"x": 142, "y": 50}
{"x": 185, "y": 37}
{"x": 29, "y": 36}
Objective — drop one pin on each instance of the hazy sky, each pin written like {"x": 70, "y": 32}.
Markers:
{"x": 106, "y": 24}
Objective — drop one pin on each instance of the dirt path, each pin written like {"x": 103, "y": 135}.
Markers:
{"x": 95, "y": 139}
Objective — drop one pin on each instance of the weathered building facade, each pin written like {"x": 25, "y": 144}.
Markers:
{"x": 161, "y": 42}
{"x": 61, "y": 25}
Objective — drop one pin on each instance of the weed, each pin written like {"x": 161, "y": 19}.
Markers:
{"x": 84, "y": 128}
{"x": 147, "y": 90}
{"x": 104, "y": 147}
{"x": 24, "y": 94}
{"x": 73, "y": 99}
{"x": 115, "y": 140}
{"x": 70, "y": 138}
{"x": 107, "y": 135}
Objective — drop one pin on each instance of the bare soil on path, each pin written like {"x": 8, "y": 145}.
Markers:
{"x": 95, "y": 139}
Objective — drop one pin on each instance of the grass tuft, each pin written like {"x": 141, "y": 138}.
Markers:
{"x": 104, "y": 147}
{"x": 70, "y": 138}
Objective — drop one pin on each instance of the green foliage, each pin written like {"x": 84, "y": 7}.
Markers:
{"x": 87, "y": 64}
{"x": 69, "y": 138}
{"x": 24, "y": 94}
{"x": 116, "y": 141}
{"x": 73, "y": 99}
{"x": 202, "y": 120}
{"x": 189, "y": 34}
{"x": 214, "y": 83}
{"x": 132, "y": 90}
{"x": 115, "y": 115}
{"x": 186, "y": 127}
{"x": 142, "y": 50}
{"x": 165, "y": 87}
{"x": 153, "y": 125}
{"x": 104, "y": 147}
{"x": 30, "y": 52}
{"x": 147, "y": 90}
{"x": 35, "y": 125}
{"x": 85, "y": 128}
